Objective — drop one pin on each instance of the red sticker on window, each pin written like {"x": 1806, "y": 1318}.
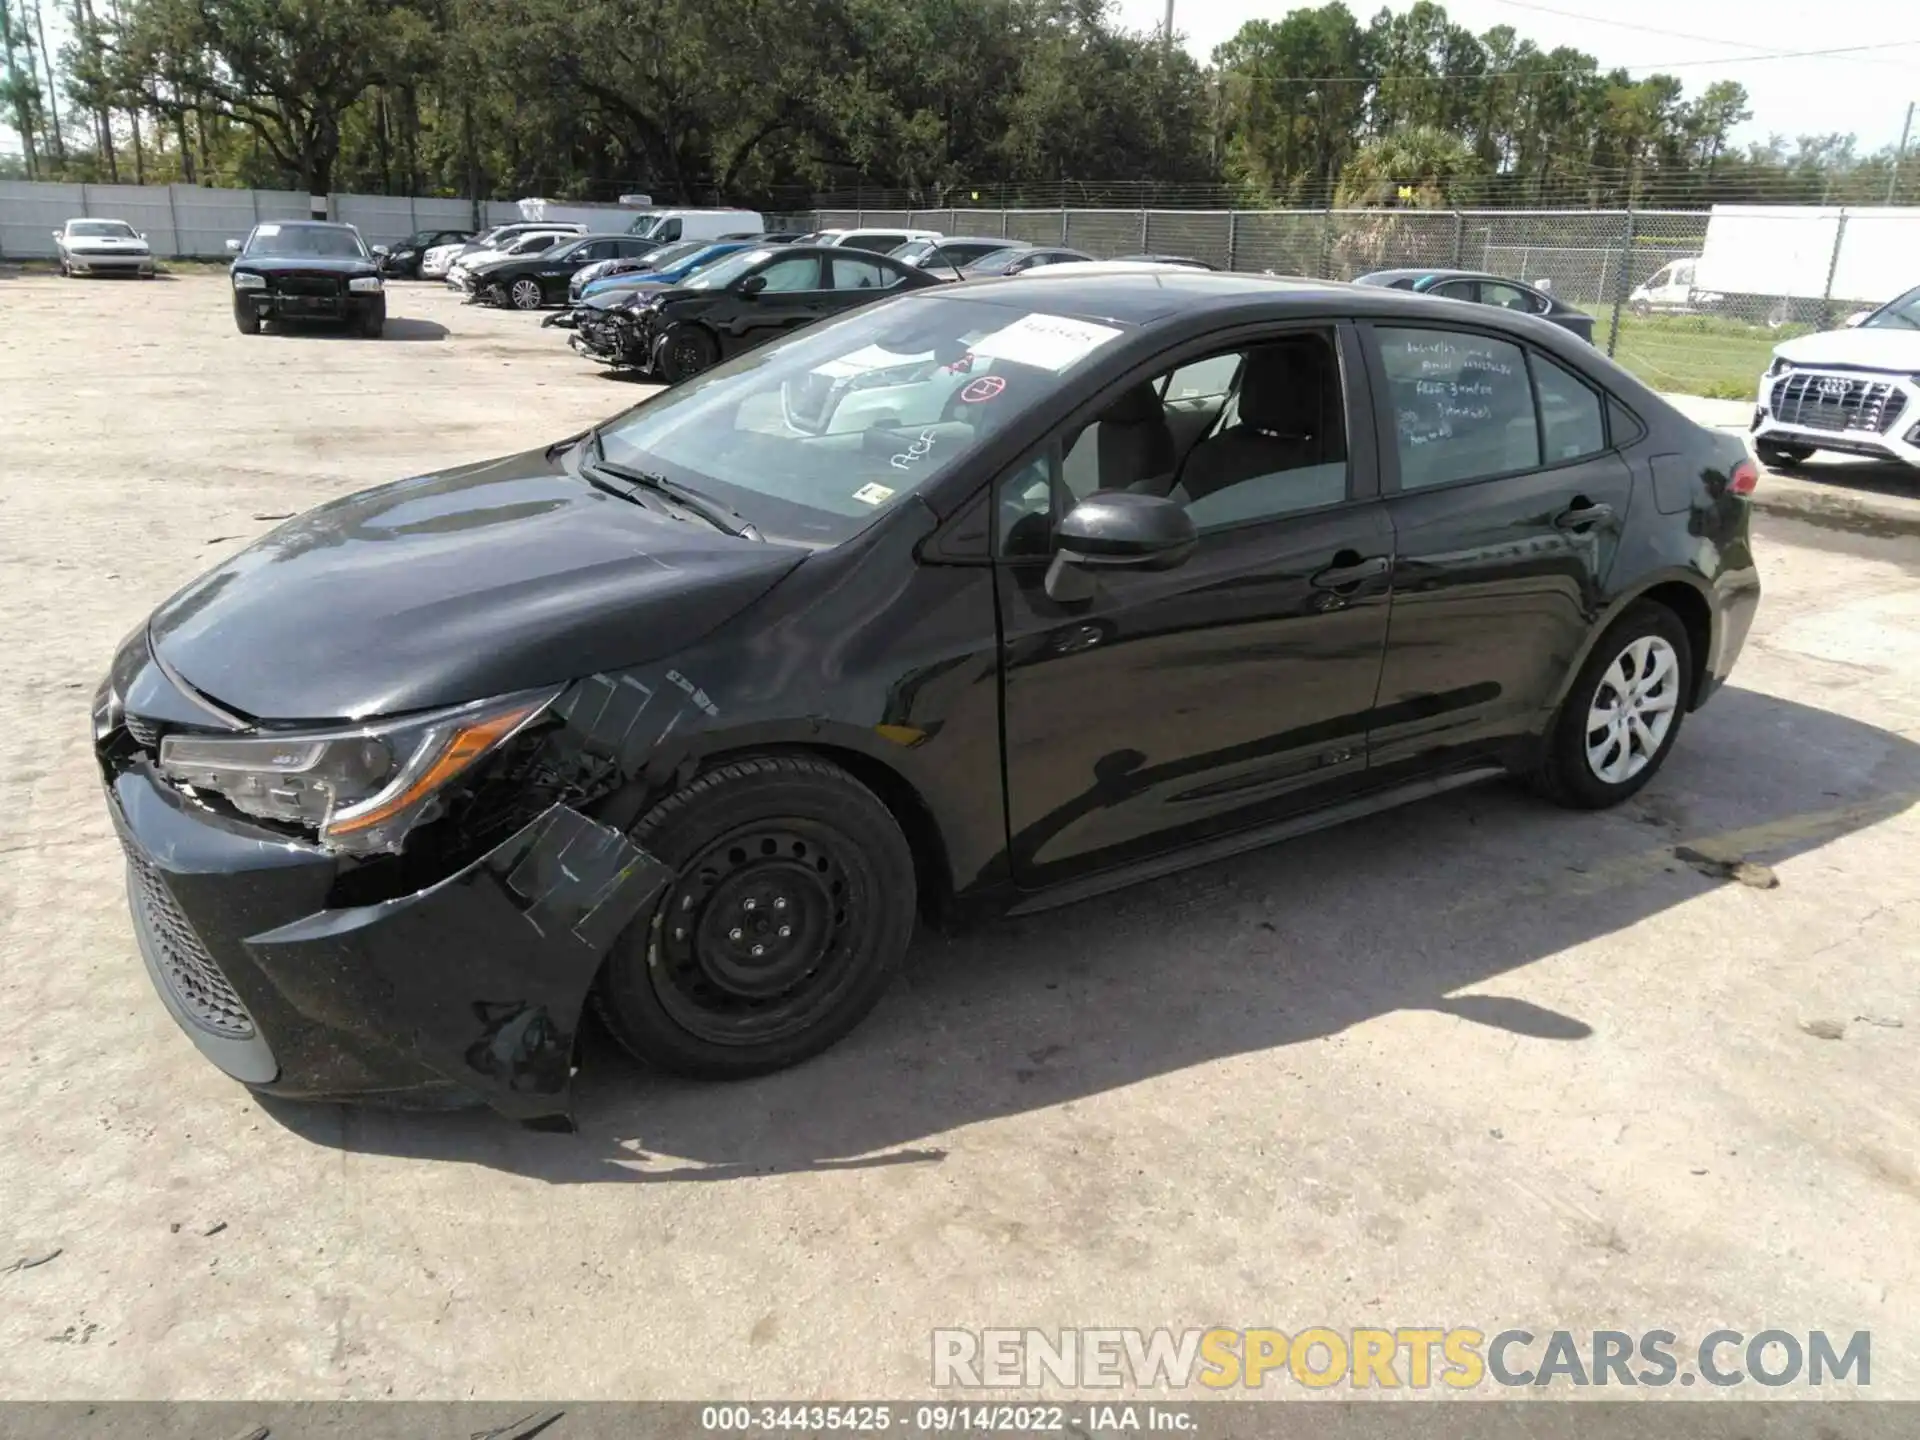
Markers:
{"x": 985, "y": 388}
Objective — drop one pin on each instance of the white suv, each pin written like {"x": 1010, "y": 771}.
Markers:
{"x": 1854, "y": 390}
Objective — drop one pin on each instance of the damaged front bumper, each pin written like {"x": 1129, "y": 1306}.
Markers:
{"x": 472, "y": 988}
{"x": 612, "y": 339}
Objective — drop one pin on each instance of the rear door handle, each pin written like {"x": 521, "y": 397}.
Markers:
{"x": 1581, "y": 514}
{"x": 1348, "y": 576}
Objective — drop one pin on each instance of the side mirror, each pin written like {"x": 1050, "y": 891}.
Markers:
{"x": 233, "y": 247}
{"x": 143, "y": 234}
{"x": 382, "y": 250}
{"x": 753, "y": 285}
{"x": 58, "y": 234}
{"x": 1114, "y": 529}
{"x": 1855, "y": 318}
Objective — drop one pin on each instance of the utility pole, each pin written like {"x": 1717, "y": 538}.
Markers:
{"x": 1899, "y": 154}
{"x": 1167, "y": 36}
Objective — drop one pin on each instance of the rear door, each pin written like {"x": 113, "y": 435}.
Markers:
{"x": 856, "y": 278}
{"x": 1508, "y": 504}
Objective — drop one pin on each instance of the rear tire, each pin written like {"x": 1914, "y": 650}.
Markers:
{"x": 792, "y": 903}
{"x": 1622, "y": 714}
{"x": 1782, "y": 457}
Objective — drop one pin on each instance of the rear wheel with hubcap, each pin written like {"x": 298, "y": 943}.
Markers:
{"x": 526, "y": 294}
{"x": 792, "y": 902}
{"x": 1622, "y": 714}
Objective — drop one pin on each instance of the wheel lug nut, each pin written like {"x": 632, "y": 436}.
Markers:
{"x": 780, "y": 903}
{"x": 785, "y": 931}
{"x": 747, "y": 904}
{"x": 733, "y": 934}
{"x": 759, "y": 950}
{"x": 679, "y": 932}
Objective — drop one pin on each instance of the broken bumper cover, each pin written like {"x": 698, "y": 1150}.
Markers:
{"x": 612, "y": 339}
{"x": 471, "y": 988}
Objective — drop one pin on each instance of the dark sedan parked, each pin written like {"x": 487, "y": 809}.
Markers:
{"x": 1018, "y": 259}
{"x": 1473, "y": 286}
{"x": 997, "y": 595}
{"x": 948, "y": 254}
{"x": 734, "y": 304}
{"x": 527, "y": 282}
{"x": 402, "y": 261}
{"x": 305, "y": 270}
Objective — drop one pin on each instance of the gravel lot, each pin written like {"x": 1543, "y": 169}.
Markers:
{"x": 1480, "y": 1062}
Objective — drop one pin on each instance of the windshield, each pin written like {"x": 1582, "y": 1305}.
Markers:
{"x": 913, "y": 252}
{"x": 811, "y": 437}
{"x": 673, "y": 254}
{"x": 1900, "y": 314}
{"x": 723, "y": 272}
{"x": 648, "y": 227}
{"x": 322, "y": 242}
{"x": 116, "y": 229}
{"x": 995, "y": 262}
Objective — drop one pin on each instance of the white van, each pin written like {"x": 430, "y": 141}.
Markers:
{"x": 666, "y": 226}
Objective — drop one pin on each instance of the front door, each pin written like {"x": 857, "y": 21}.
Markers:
{"x": 793, "y": 293}
{"x": 1179, "y": 704}
{"x": 1507, "y": 504}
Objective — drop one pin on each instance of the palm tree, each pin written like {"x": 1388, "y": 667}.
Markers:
{"x": 1415, "y": 168}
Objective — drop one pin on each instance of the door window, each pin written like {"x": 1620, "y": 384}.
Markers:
{"x": 1462, "y": 406}
{"x": 1454, "y": 290}
{"x": 859, "y": 272}
{"x": 1275, "y": 444}
{"x": 795, "y": 272}
{"x": 1507, "y": 297}
{"x": 1570, "y": 417}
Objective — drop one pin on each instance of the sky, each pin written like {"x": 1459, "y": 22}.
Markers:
{"x": 1864, "y": 94}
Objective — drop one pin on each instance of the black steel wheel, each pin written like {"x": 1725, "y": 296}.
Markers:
{"x": 684, "y": 351}
{"x": 791, "y": 903}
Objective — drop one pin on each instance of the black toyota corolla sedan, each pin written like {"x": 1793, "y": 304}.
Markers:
{"x": 989, "y": 596}
{"x": 304, "y": 271}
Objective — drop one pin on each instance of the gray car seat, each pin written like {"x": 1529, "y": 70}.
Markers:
{"x": 1282, "y": 413}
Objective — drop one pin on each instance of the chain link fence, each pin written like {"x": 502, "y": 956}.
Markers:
{"x": 1690, "y": 300}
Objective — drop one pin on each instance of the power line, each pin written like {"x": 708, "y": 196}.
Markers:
{"x": 1656, "y": 30}
{"x": 1595, "y": 70}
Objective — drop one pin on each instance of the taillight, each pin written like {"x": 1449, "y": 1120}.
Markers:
{"x": 1746, "y": 475}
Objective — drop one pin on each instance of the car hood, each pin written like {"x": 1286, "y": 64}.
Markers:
{"x": 629, "y": 280}
{"x": 1880, "y": 348}
{"x": 306, "y": 265}
{"x": 451, "y": 587}
{"x": 597, "y": 298}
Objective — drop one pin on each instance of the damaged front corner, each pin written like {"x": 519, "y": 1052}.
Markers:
{"x": 487, "y": 972}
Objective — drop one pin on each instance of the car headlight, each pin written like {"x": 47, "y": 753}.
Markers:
{"x": 360, "y": 790}
{"x": 364, "y": 284}
{"x": 1778, "y": 367}
{"x": 244, "y": 280}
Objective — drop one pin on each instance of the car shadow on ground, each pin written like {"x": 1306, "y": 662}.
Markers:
{"x": 398, "y": 327}
{"x": 1275, "y": 948}
{"x": 1874, "y": 477}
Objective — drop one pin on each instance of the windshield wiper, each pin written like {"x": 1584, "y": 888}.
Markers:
{"x": 723, "y": 518}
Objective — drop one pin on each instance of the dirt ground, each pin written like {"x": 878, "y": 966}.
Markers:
{"x": 1480, "y": 1062}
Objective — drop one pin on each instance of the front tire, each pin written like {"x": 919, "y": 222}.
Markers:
{"x": 526, "y": 295}
{"x": 1622, "y": 714}
{"x": 246, "y": 319}
{"x": 684, "y": 351}
{"x": 792, "y": 903}
{"x": 1782, "y": 457}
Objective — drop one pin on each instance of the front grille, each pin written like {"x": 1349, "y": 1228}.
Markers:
{"x": 318, "y": 286}
{"x": 1836, "y": 402}
{"x": 191, "y": 974}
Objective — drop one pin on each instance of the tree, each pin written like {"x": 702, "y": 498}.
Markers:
{"x": 1416, "y": 168}
{"x": 285, "y": 70}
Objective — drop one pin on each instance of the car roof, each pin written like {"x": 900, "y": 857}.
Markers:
{"x": 1145, "y": 295}
{"x": 309, "y": 225}
{"x": 1438, "y": 272}
{"x": 1003, "y": 242}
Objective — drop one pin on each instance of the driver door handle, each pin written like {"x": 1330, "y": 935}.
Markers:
{"x": 1581, "y": 514}
{"x": 1348, "y": 571}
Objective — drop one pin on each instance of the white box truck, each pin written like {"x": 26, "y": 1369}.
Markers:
{"x": 1790, "y": 263}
